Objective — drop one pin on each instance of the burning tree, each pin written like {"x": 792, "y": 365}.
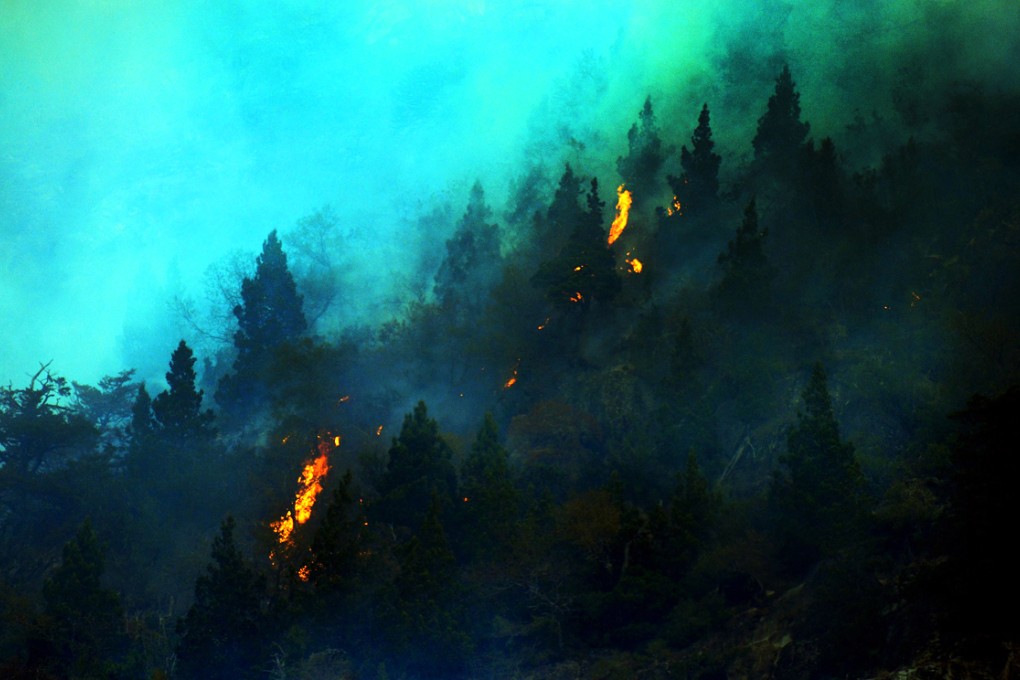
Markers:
{"x": 584, "y": 269}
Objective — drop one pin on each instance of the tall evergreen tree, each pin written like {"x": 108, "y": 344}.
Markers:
{"x": 223, "y": 635}
{"x": 427, "y": 629}
{"x": 178, "y": 410}
{"x": 781, "y": 133}
{"x": 419, "y": 468}
{"x": 472, "y": 260}
{"x": 817, "y": 494}
{"x": 85, "y": 617}
{"x": 489, "y": 497}
{"x": 746, "y": 272}
{"x": 585, "y": 268}
{"x": 270, "y": 314}
{"x": 640, "y": 167}
{"x": 698, "y": 186}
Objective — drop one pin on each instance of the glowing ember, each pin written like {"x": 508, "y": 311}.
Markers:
{"x": 336, "y": 440}
{"x": 623, "y": 201}
{"x": 578, "y": 267}
{"x": 635, "y": 265}
{"x": 378, "y": 431}
{"x": 542, "y": 325}
{"x": 343, "y": 399}
{"x": 513, "y": 377}
{"x": 675, "y": 208}
{"x": 303, "y": 573}
{"x": 576, "y": 297}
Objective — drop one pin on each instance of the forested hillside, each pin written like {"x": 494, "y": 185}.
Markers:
{"x": 703, "y": 415}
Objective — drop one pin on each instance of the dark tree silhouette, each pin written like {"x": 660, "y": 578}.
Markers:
{"x": 419, "y": 468}
{"x": 817, "y": 494}
{"x": 781, "y": 133}
{"x": 746, "y": 272}
{"x": 178, "y": 410}
{"x": 585, "y": 268}
{"x": 698, "y": 186}
{"x": 640, "y": 167}
{"x": 270, "y": 314}
{"x": 472, "y": 260}
{"x": 428, "y": 627}
{"x": 224, "y": 632}
{"x": 85, "y": 618}
{"x": 489, "y": 499}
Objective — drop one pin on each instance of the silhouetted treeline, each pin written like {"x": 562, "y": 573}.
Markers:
{"x": 762, "y": 431}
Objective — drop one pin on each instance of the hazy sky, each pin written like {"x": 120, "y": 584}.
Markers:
{"x": 142, "y": 141}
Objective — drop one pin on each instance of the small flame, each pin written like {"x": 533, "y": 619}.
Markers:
{"x": 578, "y": 267}
{"x": 545, "y": 323}
{"x": 623, "y": 202}
{"x": 303, "y": 573}
{"x": 576, "y": 297}
{"x": 674, "y": 209}
{"x": 635, "y": 265}
{"x": 378, "y": 431}
{"x": 513, "y": 377}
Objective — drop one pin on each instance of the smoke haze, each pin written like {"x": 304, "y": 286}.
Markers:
{"x": 142, "y": 142}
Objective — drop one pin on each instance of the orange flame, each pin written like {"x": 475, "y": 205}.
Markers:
{"x": 513, "y": 377}
{"x": 310, "y": 483}
{"x": 675, "y": 208}
{"x": 635, "y": 265}
{"x": 623, "y": 201}
{"x": 576, "y": 297}
{"x": 378, "y": 431}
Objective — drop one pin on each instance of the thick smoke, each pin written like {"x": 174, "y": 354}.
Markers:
{"x": 143, "y": 143}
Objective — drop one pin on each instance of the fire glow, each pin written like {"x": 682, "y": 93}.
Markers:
{"x": 623, "y": 201}
{"x": 513, "y": 377}
{"x": 675, "y": 208}
{"x": 310, "y": 486}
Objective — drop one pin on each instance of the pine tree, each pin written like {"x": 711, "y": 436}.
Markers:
{"x": 419, "y": 468}
{"x": 640, "y": 167}
{"x": 472, "y": 260}
{"x": 223, "y": 634}
{"x": 85, "y": 617}
{"x": 817, "y": 494}
{"x": 337, "y": 541}
{"x": 585, "y": 268}
{"x": 427, "y": 627}
{"x": 270, "y": 314}
{"x": 698, "y": 186}
{"x": 488, "y": 494}
{"x": 178, "y": 410}
{"x": 746, "y": 272}
{"x": 781, "y": 133}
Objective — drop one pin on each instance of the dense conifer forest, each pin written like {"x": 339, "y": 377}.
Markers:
{"x": 706, "y": 416}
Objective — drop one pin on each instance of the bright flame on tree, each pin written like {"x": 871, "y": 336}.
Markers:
{"x": 623, "y": 201}
{"x": 310, "y": 486}
{"x": 513, "y": 377}
{"x": 675, "y": 208}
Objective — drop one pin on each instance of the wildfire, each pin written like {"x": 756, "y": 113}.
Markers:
{"x": 674, "y": 209}
{"x": 513, "y": 377}
{"x": 310, "y": 485}
{"x": 623, "y": 201}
